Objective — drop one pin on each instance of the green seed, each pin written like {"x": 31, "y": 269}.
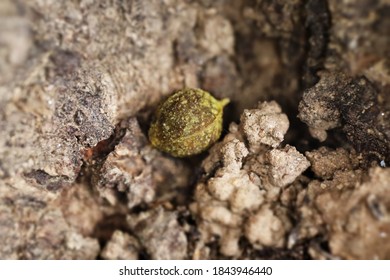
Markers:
{"x": 187, "y": 123}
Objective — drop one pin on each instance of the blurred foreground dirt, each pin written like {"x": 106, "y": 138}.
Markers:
{"x": 302, "y": 168}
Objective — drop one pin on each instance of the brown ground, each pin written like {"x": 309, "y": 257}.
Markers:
{"x": 300, "y": 172}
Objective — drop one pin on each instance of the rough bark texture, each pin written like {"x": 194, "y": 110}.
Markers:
{"x": 80, "y": 80}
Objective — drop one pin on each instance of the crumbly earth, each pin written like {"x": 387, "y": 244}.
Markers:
{"x": 302, "y": 168}
{"x": 240, "y": 199}
{"x": 121, "y": 246}
{"x": 160, "y": 233}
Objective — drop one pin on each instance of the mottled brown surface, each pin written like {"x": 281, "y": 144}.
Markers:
{"x": 79, "y": 81}
{"x": 353, "y": 104}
